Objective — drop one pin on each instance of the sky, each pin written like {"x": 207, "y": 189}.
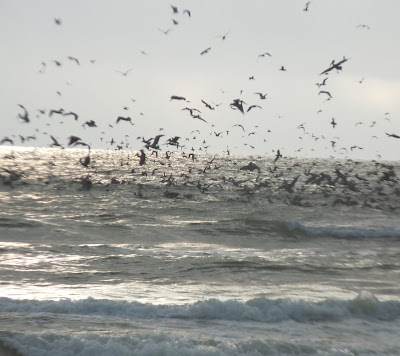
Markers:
{"x": 109, "y": 38}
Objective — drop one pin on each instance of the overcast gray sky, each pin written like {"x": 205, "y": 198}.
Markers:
{"x": 111, "y": 36}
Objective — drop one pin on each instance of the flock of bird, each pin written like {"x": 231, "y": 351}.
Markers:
{"x": 160, "y": 140}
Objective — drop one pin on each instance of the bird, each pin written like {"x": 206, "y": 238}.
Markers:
{"x": 73, "y": 139}
{"x": 165, "y": 32}
{"x": 142, "y": 157}
{"x": 262, "y": 96}
{"x": 224, "y": 36}
{"x": 333, "y": 122}
{"x": 364, "y": 26}
{"x": 306, "y": 6}
{"x": 119, "y": 118}
{"x": 321, "y": 84}
{"x": 187, "y": 12}
{"x": 59, "y": 111}
{"x": 278, "y": 155}
{"x": 6, "y": 139}
{"x": 283, "y": 69}
{"x": 72, "y": 114}
{"x": 253, "y": 106}
{"x": 241, "y": 126}
{"x": 25, "y": 116}
{"x": 207, "y": 105}
{"x": 392, "y": 135}
{"x": 73, "y": 59}
{"x": 174, "y": 9}
{"x": 154, "y": 144}
{"x": 325, "y": 92}
{"x": 262, "y": 55}
{"x": 191, "y": 110}
{"x": 85, "y": 161}
{"x": 124, "y": 73}
{"x": 57, "y": 21}
{"x": 205, "y": 51}
{"x": 90, "y": 123}
{"x": 176, "y": 97}
{"x": 334, "y": 65}
{"x": 55, "y": 142}
{"x": 238, "y": 104}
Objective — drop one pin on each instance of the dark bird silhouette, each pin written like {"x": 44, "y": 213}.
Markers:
{"x": 283, "y": 69}
{"x": 124, "y": 73}
{"x": 55, "y": 142}
{"x": 176, "y": 97}
{"x": 119, "y": 118}
{"x": 142, "y": 157}
{"x": 241, "y": 126}
{"x": 6, "y": 139}
{"x": 205, "y": 51}
{"x": 224, "y": 36}
{"x": 57, "y": 21}
{"x": 333, "y": 122}
{"x": 154, "y": 145}
{"x": 187, "y": 12}
{"x": 262, "y": 55}
{"x": 173, "y": 141}
{"x": 364, "y": 26}
{"x": 207, "y": 105}
{"x": 278, "y": 155}
{"x": 307, "y": 6}
{"x": 174, "y": 9}
{"x": 238, "y": 104}
{"x": 90, "y": 123}
{"x": 59, "y": 111}
{"x": 253, "y": 106}
{"x": 74, "y": 59}
{"x": 191, "y": 110}
{"x": 198, "y": 117}
{"x": 73, "y": 139}
{"x": 85, "y": 161}
{"x": 25, "y": 115}
{"x": 321, "y": 84}
{"x": 262, "y": 96}
{"x": 325, "y": 92}
{"x": 72, "y": 114}
{"x": 392, "y": 135}
{"x": 337, "y": 66}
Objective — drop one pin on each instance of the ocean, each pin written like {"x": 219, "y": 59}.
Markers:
{"x": 197, "y": 255}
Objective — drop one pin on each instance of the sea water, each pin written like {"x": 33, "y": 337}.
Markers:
{"x": 197, "y": 255}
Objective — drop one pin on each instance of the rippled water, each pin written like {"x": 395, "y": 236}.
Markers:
{"x": 197, "y": 256}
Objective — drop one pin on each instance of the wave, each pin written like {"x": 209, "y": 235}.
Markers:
{"x": 344, "y": 232}
{"x": 364, "y": 306}
{"x": 167, "y": 344}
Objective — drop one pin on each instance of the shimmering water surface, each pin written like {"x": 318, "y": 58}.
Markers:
{"x": 197, "y": 255}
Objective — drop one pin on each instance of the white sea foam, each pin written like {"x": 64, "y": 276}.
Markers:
{"x": 343, "y": 231}
{"x": 365, "y": 306}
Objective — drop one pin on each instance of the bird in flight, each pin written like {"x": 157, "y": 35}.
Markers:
{"x": 364, "y": 26}
{"x": 262, "y": 55}
{"x": 176, "y": 97}
{"x": 223, "y": 36}
{"x": 205, "y": 51}
{"x": 165, "y": 32}
{"x": 119, "y": 118}
{"x": 73, "y": 59}
{"x": 57, "y": 21}
{"x": 253, "y": 106}
{"x": 124, "y": 73}
{"x": 238, "y": 104}
{"x": 262, "y": 96}
{"x": 306, "y": 6}
{"x": 392, "y": 135}
{"x": 325, "y": 92}
{"x": 25, "y": 116}
{"x": 337, "y": 66}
